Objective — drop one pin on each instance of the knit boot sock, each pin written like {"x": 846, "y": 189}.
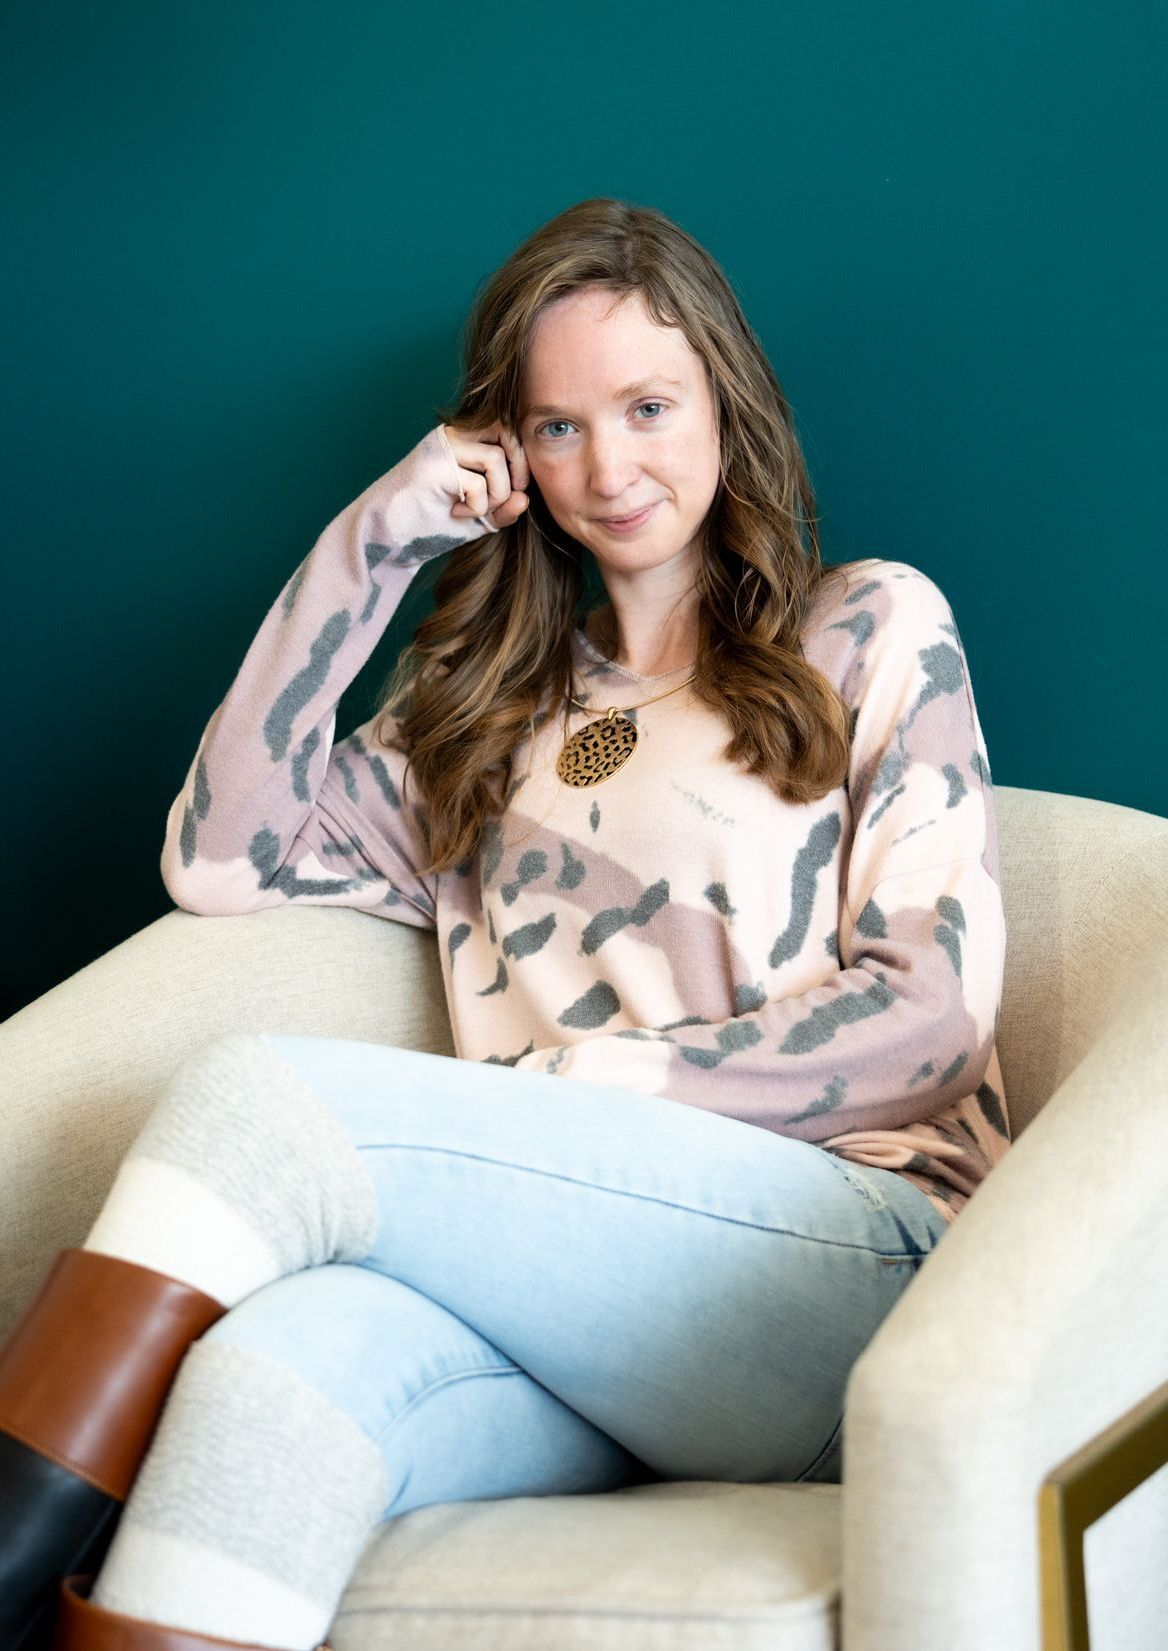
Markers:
{"x": 84, "y": 1626}
{"x": 83, "y": 1378}
{"x": 251, "y": 1511}
{"x": 241, "y": 1174}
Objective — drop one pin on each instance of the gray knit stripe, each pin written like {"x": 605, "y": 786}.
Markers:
{"x": 251, "y": 1461}
{"x": 247, "y": 1125}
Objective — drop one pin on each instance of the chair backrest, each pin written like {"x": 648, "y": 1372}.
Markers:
{"x": 1085, "y": 890}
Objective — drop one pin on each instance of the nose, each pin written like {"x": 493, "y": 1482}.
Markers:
{"x": 612, "y": 468}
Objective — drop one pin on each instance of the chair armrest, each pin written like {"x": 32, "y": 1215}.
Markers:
{"x": 83, "y": 1064}
{"x": 1036, "y": 1323}
{"x": 1078, "y": 1492}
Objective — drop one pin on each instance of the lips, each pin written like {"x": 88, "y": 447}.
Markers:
{"x": 628, "y": 521}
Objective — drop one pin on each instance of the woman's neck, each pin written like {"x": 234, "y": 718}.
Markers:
{"x": 652, "y": 655}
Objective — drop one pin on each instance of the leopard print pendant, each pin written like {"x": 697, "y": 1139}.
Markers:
{"x": 597, "y": 750}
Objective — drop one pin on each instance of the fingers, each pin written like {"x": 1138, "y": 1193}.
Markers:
{"x": 520, "y": 472}
{"x": 493, "y": 470}
{"x": 501, "y": 517}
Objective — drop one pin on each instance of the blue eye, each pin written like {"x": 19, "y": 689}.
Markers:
{"x": 640, "y": 408}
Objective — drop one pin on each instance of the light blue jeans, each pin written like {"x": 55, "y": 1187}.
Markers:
{"x": 576, "y": 1287}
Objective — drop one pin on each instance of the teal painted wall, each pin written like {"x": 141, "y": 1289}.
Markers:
{"x": 242, "y": 240}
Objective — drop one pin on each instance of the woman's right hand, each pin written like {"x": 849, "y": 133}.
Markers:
{"x": 493, "y": 469}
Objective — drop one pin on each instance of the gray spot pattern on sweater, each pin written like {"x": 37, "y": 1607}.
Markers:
{"x": 952, "y": 1070}
{"x": 990, "y": 1103}
{"x": 530, "y": 869}
{"x": 825, "y": 1020}
{"x": 292, "y": 590}
{"x": 814, "y": 855}
{"x": 613, "y": 919}
{"x": 716, "y": 894}
{"x": 202, "y": 804}
{"x": 885, "y": 805}
{"x": 264, "y": 853}
{"x": 912, "y": 831}
{"x": 597, "y": 1005}
{"x": 529, "y": 937}
{"x": 861, "y": 625}
{"x": 491, "y": 849}
{"x": 572, "y": 871}
{"x": 893, "y": 765}
{"x": 831, "y": 1098}
{"x": 942, "y": 666}
{"x": 351, "y": 845}
{"x": 186, "y": 837}
{"x": 950, "y": 942}
{"x": 301, "y": 789}
{"x": 352, "y": 789}
{"x": 500, "y": 982}
{"x": 305, "y": 685}
{"x": 417, "y": 550}
{"x": 871, "y": 922}
{"x": 957, "y": 786}
{"x": 734, "y": 1036}
{"x": 202, "y": 792}
{"x": 951, "y": 909}
{"x": 508, "y": 1060}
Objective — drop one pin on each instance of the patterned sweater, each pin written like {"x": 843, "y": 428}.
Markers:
{"x": 831, "y": 971}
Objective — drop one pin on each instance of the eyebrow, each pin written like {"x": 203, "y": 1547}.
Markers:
{"x": 621, "y": 395}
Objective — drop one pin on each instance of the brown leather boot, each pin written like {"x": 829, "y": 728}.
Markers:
{"x": 83, "y": 1626}
{"x": 83, "y": 1378}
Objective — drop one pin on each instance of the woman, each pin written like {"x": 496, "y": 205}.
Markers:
{"x": 713, "y": 872}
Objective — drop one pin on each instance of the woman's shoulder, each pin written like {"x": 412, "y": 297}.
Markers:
{"x": 862, "y": 608}
{"x": 868, "y": 573}
{"x": 877, "y": 585}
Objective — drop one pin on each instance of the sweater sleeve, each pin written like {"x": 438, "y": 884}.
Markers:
{"x": 907, "y": 1024}
{"x": 270, "y": 811}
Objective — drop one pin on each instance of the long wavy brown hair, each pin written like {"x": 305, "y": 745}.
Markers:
{"x": 496, "y": 650}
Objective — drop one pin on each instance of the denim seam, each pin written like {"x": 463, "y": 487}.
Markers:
{"x": 822, "y": 1455}
{"x": 445, "y": 1381}
{"x": 621, "y": 1192}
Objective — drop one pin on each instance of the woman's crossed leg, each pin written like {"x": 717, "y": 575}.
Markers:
{"x": 451, "y": 1280}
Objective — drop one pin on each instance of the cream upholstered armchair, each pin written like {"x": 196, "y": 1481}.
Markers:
{"x": 1016, "y": 1392}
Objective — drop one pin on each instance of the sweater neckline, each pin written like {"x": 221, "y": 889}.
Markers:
{"x": 592, "y": 652}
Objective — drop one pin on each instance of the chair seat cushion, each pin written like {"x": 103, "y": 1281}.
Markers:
{"x": 681, "y": 1565}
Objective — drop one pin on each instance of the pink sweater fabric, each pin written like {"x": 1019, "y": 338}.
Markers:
{"x": 831, "y": 971}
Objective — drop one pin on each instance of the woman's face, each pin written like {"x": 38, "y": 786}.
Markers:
{"x": 617, "y": 413}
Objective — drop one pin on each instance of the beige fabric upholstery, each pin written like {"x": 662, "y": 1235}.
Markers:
{"x": 1039, "y": 1319}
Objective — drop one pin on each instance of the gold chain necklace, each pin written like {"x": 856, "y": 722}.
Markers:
{"x": 596, "y": 751}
